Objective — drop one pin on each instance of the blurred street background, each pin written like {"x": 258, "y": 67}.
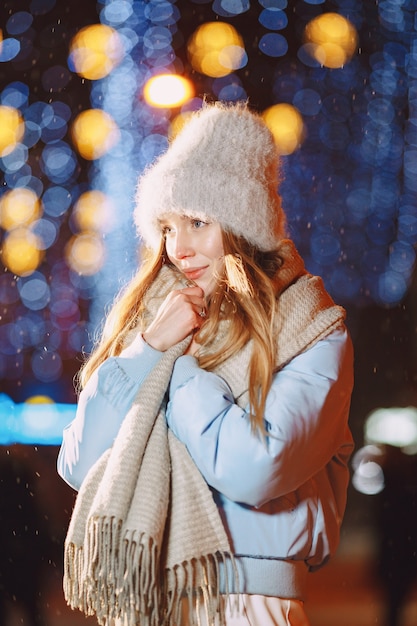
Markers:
{"x": 90, "y": 93}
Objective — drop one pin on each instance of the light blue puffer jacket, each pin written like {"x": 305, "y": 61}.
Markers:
{"x": 282, "y": 500}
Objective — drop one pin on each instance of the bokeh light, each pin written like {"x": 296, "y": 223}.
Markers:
{"x": 333, "y": 39}
{"x": 58, "y": 161}
{"x": 95, "y": 51}
{"x": 94, "y": 132}
{"x": 11, "y": 129}
{"x": 216, "y": 49}
{"x": 94, "y": 211}
{"x": 395, "y": 426}
{"x": 9, "y": 49}
{"x": 168, "y": 90}
{"x": 37, "y": 420}
{"x": 22, "y": 251}
{"x": 230, "y": 8}
{"x": 34, "y": 291}
{"x": 368, "y": 476}
{"x": 39, "y": 399}
{"x": 19, "y": 207}
{"x": 286, "y": 124}
{"x": 273, "y": 45}
{"x": 85, "y": 253}
{"x": 178, "y": 123}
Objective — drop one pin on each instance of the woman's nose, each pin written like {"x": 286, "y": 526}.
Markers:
{"x": 182, "y": 245}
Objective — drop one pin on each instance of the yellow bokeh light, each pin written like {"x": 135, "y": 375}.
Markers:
{"x": 178, "y": 123}
{"x": 19, "y": 207}
{"x": 333, "y": 39}
{"x": 168, "y": 90}
{"x": 39, "y": 399}
{"x": 286, "y": 124}
{"x": 94, "y": 211}
{"x": 95, "y": 51}
{"x": 85, "y": 253}
{"x": 94, "y": 132}
{"x": 21, "y": 252}
{"x": 12, "y": 129}
{"x": 216, "y": 49}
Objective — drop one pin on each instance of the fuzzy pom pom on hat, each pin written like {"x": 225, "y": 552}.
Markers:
{"x": 222, "y": 167}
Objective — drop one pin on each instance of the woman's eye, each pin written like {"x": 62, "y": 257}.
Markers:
{"x": 198, "y": 223}
{"x": 165, "y": 230}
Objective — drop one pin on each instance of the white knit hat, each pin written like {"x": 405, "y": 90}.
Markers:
{"x": 223, "y": 167}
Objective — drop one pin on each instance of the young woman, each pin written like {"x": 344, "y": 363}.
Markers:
{"x": 211, "y": 441}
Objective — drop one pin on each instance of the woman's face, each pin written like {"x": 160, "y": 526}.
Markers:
{"x": 195, "y": 248}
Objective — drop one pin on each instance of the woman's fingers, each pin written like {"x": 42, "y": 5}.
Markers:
{"x": 195, "y": 296}
{"x": 182, "y": 312}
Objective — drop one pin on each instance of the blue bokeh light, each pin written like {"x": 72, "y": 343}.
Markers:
{"x": 273, "y": 45}
{"x": 19, "y": 22}
{"x": 230, "y": 8}
{"x": 34, "y": 292}
{"x": 40, "y": 423}
{"x": 273, "y": 19}
{"x": 58, "y": 161}
{"x": 9, "y": 49}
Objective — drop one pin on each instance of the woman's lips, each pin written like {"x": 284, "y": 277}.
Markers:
{"x": 194, "y": 273}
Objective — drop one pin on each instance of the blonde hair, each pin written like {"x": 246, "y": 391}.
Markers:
{"x": 246, "y": 296}
{"x": 124, "y": 314}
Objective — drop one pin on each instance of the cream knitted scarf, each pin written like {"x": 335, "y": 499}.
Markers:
{"x": 145, "y": 530}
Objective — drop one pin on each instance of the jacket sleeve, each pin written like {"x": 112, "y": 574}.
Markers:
{"x": 102, "y": 406}
{"x": 305, "y": 418}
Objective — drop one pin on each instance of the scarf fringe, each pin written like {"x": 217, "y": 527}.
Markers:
{"x": 196, "y": 582}
{"x": 116, "y": 576}
{"x": 113, "y": 575}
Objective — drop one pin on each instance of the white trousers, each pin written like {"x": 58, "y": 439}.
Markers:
{"x": 256, "y": 610}
{"x": 253, "y": 610}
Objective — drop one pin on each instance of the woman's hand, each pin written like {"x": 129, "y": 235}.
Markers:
{"x": 178, "y": 316}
